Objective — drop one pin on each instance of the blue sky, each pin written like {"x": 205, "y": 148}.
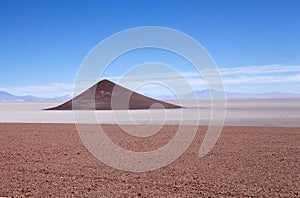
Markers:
{"x": 256, "y": 44}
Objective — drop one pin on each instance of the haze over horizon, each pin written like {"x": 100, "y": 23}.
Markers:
{"x": 255, "y": 44}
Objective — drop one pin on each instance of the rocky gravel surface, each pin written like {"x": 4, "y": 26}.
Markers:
{"x": 49, "y": 160}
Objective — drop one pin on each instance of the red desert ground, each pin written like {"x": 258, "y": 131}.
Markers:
{"x": 42, "y": 155}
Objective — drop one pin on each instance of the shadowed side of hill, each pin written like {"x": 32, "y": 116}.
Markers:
{"x": 106, "y": 95}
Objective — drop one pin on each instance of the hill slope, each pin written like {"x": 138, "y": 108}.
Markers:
{"x": 106, "y": 95}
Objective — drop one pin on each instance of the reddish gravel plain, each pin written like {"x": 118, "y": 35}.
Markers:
{"x": 49, "y": 160}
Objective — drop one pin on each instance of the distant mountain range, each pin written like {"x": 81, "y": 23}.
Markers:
{"x": 203, "y": 94}
{"x": 7, "y": 97}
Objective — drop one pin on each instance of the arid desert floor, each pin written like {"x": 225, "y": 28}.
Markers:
{"x": 49, "y": 160}
{"x": 256, "y": 155}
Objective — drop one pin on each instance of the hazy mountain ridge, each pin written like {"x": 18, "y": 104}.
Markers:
{"x": 8, "y": 97}
{"x": 203, "y": 94}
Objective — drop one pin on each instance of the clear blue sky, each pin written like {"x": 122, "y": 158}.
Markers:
{"x": 42, "y": 43}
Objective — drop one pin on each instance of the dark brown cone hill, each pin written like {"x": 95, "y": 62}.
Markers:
{"x": 105, "y": 94}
